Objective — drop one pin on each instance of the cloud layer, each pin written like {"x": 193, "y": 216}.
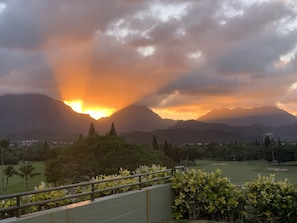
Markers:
{"x": 177, "y": 57}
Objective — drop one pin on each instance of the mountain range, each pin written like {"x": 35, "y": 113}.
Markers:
{"x": 39, "y": 116}
{"x": 35, "y": 116}
{"x": 270, "y": 116}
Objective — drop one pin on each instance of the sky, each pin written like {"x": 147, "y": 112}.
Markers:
{"x": 180, "y": 58}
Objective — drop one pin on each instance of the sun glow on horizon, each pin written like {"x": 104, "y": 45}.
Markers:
{"x": 178, "y": 115}
{"x": 94, "y": 112}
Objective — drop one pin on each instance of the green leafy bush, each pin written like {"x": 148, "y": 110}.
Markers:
{"x": 5, "y": 203}
{"x": 46, "y": 196}
{"x": 149, "y": 169}
{"x": 204, "y": 195}
{"x": 116, "y": 182}
{"x": 268, "y": 200}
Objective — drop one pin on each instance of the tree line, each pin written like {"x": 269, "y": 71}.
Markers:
{"x": 95, "y": 154}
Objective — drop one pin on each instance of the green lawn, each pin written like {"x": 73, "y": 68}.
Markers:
{"x": 17, "y": 184}
{"x": 189, "y": 221}
{"x": 238, "y": 172}
{"x": 244, "y": 171}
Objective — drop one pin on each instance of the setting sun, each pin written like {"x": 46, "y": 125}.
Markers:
{"x": 94, "y": 112}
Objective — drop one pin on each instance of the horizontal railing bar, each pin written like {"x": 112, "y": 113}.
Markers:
{"x": 79, "y": 185}
{"x": 90, "y": 184}
{"x": 156, "y": 179}
{"x": 114, "y": 188}
{"x": 11, "y": 208}
{"x": 54, "y": 200}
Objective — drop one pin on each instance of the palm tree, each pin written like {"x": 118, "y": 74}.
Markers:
{"x": 26, "y": 172}
{"x": 9, "y": 171}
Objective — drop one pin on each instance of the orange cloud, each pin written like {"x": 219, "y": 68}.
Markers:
{"x": 107, "y": 77}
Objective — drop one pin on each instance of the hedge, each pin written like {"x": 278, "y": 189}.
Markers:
{"x": 209, "y": 196}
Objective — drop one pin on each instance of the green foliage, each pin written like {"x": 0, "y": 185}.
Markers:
{"x": 268, "y": 200}
{"x": 44, "y": 152}
{"x": 4, "y": 143}
{"x": 36, "y": 198}
{"x": 5, "y": 203}
{"x": 284, "y": 154}
{"x": 241, "y": 152}
{"x": 112, "y": 131}
{"x": 99, "y": 155}
{"x": 202, "y": 195}
{"x": 155, "y": 143}
{"x": 166, "y": 148}
{"x": 8, "y": 171}
{"x": 80, "y": 137}
{"x": 149, "y": 169}
{"x": 17, "y": 184}
{"x": 46, "y": 196}
{"x": 26, "y": 172}
{"x": 92, "y": 130}
{"x": 267, "y": 141}
{"x": 51, "y": 174}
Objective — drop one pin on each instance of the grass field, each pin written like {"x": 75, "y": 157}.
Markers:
{"x": 238, "y": 172}
{"x": 243, "y": 171}
{"x": 17, "y": 184}
{"x": 189, "y": 221}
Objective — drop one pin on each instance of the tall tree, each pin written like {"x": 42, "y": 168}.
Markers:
{"x": 155, "y": 143}
{"x": 80, "y": 138}
{"x": 92, "y": 130}
{"x": 43, "y": 152}
{"x": 51, "y": 173}
{"x": 9, "y": 171}
{"x": 267, "y": 141}
{"x": 4, "y": 144}
{"x": 112, "y": 131}
{"x": 166, "y": 148}
{"x": 26, "y": 172}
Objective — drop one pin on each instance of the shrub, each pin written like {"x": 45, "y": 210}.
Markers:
{"x": 115, "y": 183}
{"x": 204, "y": 195}
{"x": 43, "y": 197}
{"x": 267, "y": 200}
{"x": 149, "y": 169}
{"x": 5, "y": 203}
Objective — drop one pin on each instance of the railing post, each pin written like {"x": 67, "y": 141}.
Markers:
{"x": 172, "y": 171}
{"x": 139, "y": 182}
{"x": 18, "y": 203}
{"x": 93, "y": 192}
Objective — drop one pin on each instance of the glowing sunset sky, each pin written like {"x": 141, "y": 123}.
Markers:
{"x": 180, "y": 58}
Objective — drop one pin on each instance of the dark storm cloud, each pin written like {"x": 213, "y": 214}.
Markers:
{"x": 34, "y": 23}
{"x": 11, "y": 60}
{"x": 210, "y": 51}
{"x": 257, "y": 54}
{"x": 25, "y": 73}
